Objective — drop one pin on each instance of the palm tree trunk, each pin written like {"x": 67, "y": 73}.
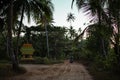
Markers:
{"x": 117, "y": 41}
{"x": 102, "y": 40}
{"x": 99, "y": 16}
{"x": 18, "y": 36}
{"x": 47, "y": 39}
{"x": 116, "y": 44}
{"x": 10, "y": 46}
{"x": 104, "y": 50}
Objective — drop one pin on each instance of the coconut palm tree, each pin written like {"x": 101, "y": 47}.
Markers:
{"x": 70, "y": 18}
{"x": 96, "y": 8}
{"x": 114, "y": 15}
{"x": 32, "y": 8}
{"x": 45, "y": 21}
{"x": 9, "y": 28}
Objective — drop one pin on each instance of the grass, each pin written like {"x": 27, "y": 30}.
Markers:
{"x": 39, "y": 60}
{"x": 99, "y": 74}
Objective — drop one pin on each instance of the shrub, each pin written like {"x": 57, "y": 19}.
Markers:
{"x": 46, "y": 60}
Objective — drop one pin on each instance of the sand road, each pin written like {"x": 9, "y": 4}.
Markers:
{"x": 62, "y": 71}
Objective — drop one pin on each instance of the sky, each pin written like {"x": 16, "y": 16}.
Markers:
{"x": 61, "y": 10}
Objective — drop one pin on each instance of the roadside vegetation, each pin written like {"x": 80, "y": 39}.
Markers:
{"x": 101, "y": 46}
{"x": 97, "y": 46}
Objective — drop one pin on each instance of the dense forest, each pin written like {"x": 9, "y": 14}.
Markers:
{"x": 98, "y": 43}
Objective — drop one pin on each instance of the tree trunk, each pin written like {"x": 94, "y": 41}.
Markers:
{"x": 104, "y": 50}
{"x": 47, "y": 39}
{"x": 117, "y": 41}
{"x": 102, "y": 40}
{"x": 10, "y": 45}
{"x": 18, "y": 35}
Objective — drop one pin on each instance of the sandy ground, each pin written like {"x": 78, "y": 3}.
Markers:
{"x": 62, "y": 71}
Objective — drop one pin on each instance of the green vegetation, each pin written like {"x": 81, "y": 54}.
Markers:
{"x": 53, "y": 44}
{"x": 99, "y": 73}
{"x": 40, "y": 60}
{"x": 102, "y": 44}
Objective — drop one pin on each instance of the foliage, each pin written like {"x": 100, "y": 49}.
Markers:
{"x": 70, "y": 18}
{"x": 57, "y": 42}
{"x": 3, "y": 54}
{"x": 102, "y": 74}
{"x": 32, "y": 8}
{"x": 41, "y": 60}
{"x": 106, "y": 14}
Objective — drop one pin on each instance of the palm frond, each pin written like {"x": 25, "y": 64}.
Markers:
{"x": 72, "y": 4}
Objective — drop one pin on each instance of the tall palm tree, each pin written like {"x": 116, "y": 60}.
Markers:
{"x": 3, "y": 17}
{"x": 45, "y": 21}
{"x": 70, "y": 18}
{"x": 72, "y": 33}
{"x": 96, "y": 8}
{"x": 32, "y": 8}
{"x": 9, "y": 28}
{"x": 114, "y": 14}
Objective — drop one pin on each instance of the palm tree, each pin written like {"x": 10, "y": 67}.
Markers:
{"x": 72, "y": 33}
{"x": 9, "y": 28}
{"x": 70, "y": 18}
{"x": 45, "y": 21}
{"x": 32, "y": 8}
{"x": 114, "y": 15}
{"x": 96, "y": 8}
{"x": 3, "y": 17}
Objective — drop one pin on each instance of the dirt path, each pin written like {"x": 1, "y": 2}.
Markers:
{"x": 63, "y": 71}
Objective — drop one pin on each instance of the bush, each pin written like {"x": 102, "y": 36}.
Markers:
{"x": 76, "y": 56}
{"x": 40, "y": 60}
{"x": 4, "y": 61}
{"x": 46, "y": 60}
